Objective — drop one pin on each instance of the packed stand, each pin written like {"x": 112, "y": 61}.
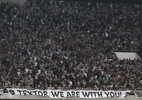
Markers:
{"x": 69, "y": 45}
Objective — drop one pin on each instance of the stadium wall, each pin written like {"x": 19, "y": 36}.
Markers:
{"x": 37, "y": 97}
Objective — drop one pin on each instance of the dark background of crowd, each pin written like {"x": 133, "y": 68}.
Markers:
{"x": 70, "y": 45}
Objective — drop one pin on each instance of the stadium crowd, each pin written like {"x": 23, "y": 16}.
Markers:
{"x": 69, "y": 45}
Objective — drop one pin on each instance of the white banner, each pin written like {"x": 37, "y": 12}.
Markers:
{"x": 67, "y": 93}
{"x": 1, "y": 91}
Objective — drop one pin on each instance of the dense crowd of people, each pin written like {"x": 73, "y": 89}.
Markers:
{"x": 69, "y": 45}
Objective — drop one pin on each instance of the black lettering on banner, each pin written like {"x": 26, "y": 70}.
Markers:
{"x": 12, "y": 92}
{"x": 120, "y": 93}
{"x": 40, "y": 93}
{"x": 111, "y": 94}
{"x": 55, "y": 94}
{"x": 107, "y": 93}
{"x": 69, "y": 94}
{"x": 93, "y": 94}
{"x": 86, "y": 94}
{"x": 100, "y": 94}
{"x": 29, "y": 92}
{"x": 35, "y": 92}
{"x": 44, "y": 93}
{"x": 24, "y": 92}
{"x": 116, "y": 94}
{"x": 77, "y": 94}
{"x": 20, "y": 91}
{"x": 62, "y": 94}
{"x": 73, "y": 93}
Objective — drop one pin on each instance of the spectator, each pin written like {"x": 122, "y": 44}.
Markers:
{"x": 58, "y": 44}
